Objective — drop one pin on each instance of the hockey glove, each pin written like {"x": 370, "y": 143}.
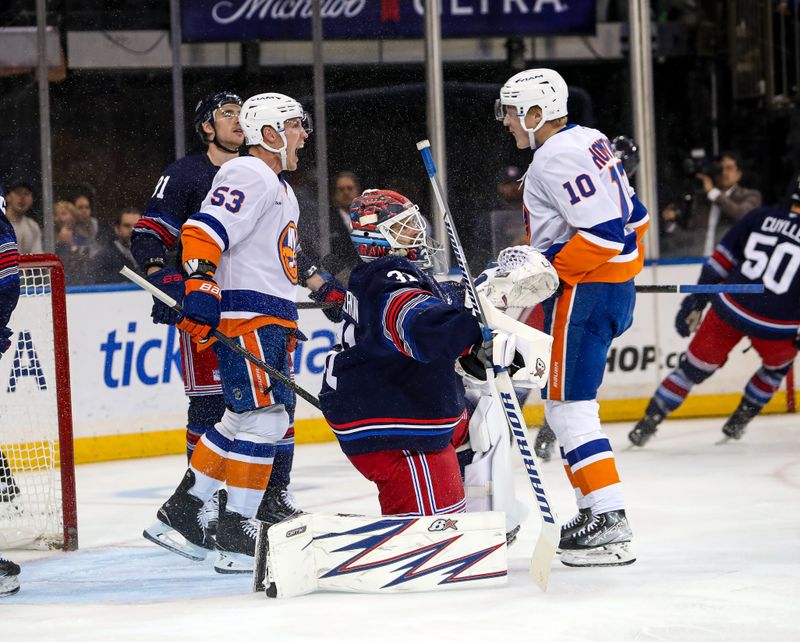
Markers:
{"x": 330, "y": 292}
{"x": 169, "y": 281}
{"x": 5, "y": 339}
{"x": 201, "y": 307}
{"x": 690, "y": 313}
{"x": 502, "y": 350}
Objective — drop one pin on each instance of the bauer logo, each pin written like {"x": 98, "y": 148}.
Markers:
{"x": 443, "y": 525}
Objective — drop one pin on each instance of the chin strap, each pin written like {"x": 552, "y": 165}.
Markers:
{"x": 282, "y": 151}
{"x": 531, "y": 132}
{"x": 223, "y": 148}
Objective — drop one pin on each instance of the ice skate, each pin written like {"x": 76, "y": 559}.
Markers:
{"x": 580, "y": 520}
{"x": 545, "y": 441}
{"x": 737, "y": 423}
{"x": 603, "y": 541}
{"x": 180, "y": 516}
{"x": 277, "y": 505}
{"x": 647, "y": 426}
{"x": 209, "y": 513}
{"x": 9, "y": 577}
{"x": 236, "y": 543}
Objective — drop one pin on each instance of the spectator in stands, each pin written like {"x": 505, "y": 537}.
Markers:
{"x": 19, "y": 201}
{"x": 342, "y": 257}
{"x": 74, "y": 255}
{"x": 86, "y": 225}
{"x": 697, "y": 231}
{"x": 116, "y": 252}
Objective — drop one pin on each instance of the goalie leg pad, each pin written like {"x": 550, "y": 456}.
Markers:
{"x": 388, "y": 554}
{"x": 488, "y": 479}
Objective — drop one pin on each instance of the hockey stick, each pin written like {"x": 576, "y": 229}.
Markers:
{"x": 550, "y": 534}
{"x": 222, "y": 338}
{"x": 703, "y": 288}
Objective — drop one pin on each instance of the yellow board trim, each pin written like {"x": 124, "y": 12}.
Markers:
{"x": 310, "y": 431}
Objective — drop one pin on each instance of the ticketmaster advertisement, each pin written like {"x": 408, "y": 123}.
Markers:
{"x": 126, "y": 372}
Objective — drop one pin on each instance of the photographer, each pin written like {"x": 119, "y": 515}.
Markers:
{"x": 696, "y": 228}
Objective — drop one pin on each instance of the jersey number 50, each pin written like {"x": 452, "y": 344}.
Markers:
{"x": 234, "y": 198}
{"x": 760, "y": 262}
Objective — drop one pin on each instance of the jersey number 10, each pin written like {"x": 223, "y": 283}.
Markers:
{"x": 587, "y": 189}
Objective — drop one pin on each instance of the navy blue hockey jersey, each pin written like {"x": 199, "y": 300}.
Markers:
{"x": 392, "y": 384}
{"x": 764, "y": 247}
{"x": 9, "y": 265}
{"x": 178, "y": 194}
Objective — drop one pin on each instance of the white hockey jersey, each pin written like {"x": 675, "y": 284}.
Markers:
{"x": 580, "y": 210}
{"x": 247, "y": 226}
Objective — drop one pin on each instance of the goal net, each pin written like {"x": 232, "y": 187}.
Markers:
{"x": 37, "y": 474}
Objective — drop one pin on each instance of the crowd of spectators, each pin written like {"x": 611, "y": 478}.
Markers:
{"x": 93, "y": 251}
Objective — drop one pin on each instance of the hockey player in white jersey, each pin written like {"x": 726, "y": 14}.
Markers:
{"x": 239, "y": 253}
{"x": 582, "y": 214}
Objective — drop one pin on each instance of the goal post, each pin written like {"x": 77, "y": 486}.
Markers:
{"x": 37, "y": 482}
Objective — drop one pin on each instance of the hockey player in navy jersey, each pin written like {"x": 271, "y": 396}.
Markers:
{"x": 764, "y": 247}
{"x": 177, "y": 196}
{"x": 390, "y": 391}
{"x": 9, "y": 295}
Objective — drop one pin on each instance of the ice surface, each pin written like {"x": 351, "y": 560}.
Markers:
{"x": 717, "y": 533}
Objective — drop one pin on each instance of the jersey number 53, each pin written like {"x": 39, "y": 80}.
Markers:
{"x": 232, "y": 199}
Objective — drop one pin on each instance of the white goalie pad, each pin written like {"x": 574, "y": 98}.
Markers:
{"x": 523, "y": 278}
{"x": 534, "y": 346}
{"x": 489, "y": 478}
{"x": 358, "y": 554}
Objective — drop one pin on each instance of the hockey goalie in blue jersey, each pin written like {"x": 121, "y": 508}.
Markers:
{"x": 391, "y": 393}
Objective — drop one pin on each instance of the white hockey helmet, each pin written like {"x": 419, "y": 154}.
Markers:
{"x": 542, "y": 88}
{"x": 271, "y": 110}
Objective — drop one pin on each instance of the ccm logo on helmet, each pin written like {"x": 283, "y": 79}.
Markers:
{"x": 527, "y": 78}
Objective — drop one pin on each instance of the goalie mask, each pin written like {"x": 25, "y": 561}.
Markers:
{"x": 386, "y": 223}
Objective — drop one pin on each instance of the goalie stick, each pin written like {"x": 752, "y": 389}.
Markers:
{"x": 545, "y": 549}
{"x": 222, "y": 338}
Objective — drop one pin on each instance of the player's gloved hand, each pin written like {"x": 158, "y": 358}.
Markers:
{"x": 690, "y": 313}
{"x": 201, "y": 307}
{"x": 331, "y": 292}
{"x": 5, "y": 339}
{"x": 169, "y": 281}
{"x": 500, "y": 351}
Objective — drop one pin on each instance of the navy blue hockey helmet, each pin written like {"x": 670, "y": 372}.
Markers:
{"x": 204, "y": 111}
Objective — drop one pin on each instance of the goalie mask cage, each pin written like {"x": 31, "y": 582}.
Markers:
{"x": 37, "y": 472}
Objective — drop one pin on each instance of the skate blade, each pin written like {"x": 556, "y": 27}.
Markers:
{"x": 232, "y": 563}
{"x": 9, "y": 586}
{"x": 161, "y": 534}
{"x": 618, "y": 554}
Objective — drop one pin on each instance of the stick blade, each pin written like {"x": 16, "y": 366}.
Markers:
{"x": 544, "y": 553}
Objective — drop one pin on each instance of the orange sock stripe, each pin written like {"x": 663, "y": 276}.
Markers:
{"x": 570, "y": 476}
{"x": 206, "y": 461}
{"x": 597, "y": 475}
{"x": 259, "y": 378}
{"x": 555, "y": 385}
{"x": 248, "y": 475}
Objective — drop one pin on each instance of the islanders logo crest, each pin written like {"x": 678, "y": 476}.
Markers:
{"x": 287, "y": 250}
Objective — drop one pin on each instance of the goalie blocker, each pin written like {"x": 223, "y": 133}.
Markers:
{"x": 390, "y": 554}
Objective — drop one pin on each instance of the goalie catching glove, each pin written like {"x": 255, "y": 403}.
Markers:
{"x": 523, "y": 278}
